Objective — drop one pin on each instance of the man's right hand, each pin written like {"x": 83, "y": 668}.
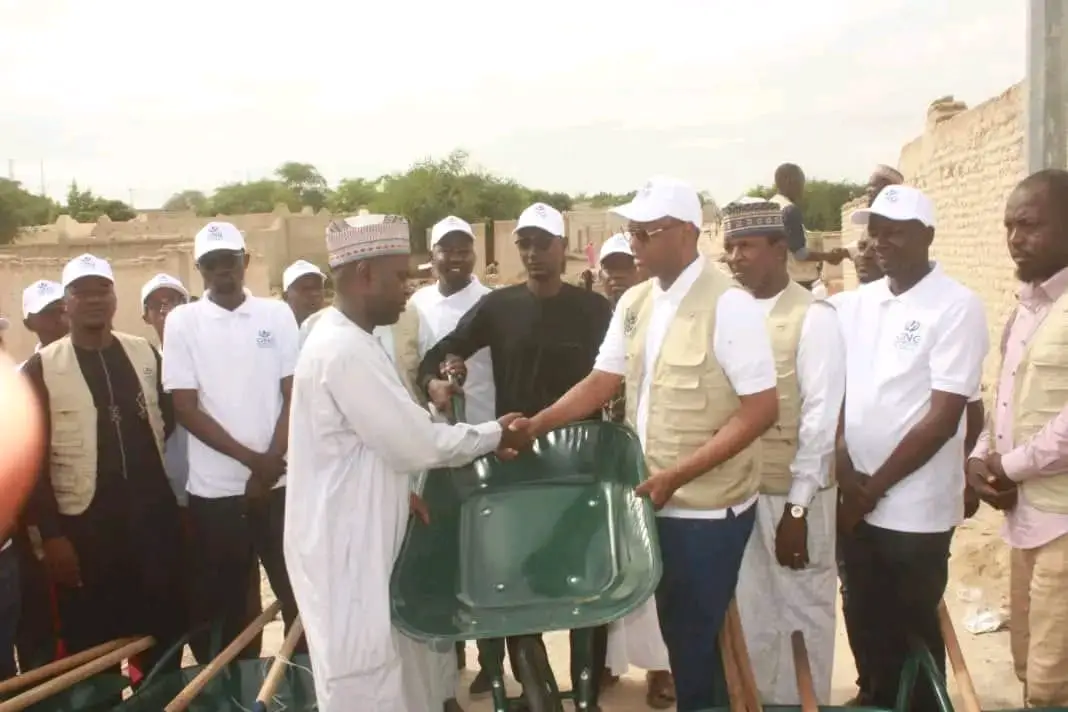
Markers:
{"x": 441, "y": 393}
{"x": 61, "y": 562}
{"x": 989, "y": 488}
{"x": 455, "y": 367}
{"x": 512, "y": 439}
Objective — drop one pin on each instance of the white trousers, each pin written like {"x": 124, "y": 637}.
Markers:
{"x": 775, "y": 601}
{"x": 636, "y": 640}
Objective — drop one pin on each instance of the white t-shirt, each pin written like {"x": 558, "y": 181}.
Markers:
{"x": 438, "y": 316}
{"x": 898, "y": 349}
{"x": 236, "y": 362}
{"x": 740, "y": 344}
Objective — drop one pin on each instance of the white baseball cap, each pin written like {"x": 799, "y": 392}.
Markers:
{"x": 163, "y": 281}
{"x": 542, "y": 216}
{"x": 663, "y": 197}
{"x": 899, "y": 203}
{"x": 39, "y": 295}
{"x": 618, "y": 244}
{"x": 448, "y": 225}
{"x": 297, "y": 270}
{"x": 86, "y": 266}
{"x": 217, "y": 236}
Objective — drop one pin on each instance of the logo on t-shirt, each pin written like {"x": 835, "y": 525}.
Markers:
{"x": 265, "y": 339}
{"x": 630, "y": 322}
{"x": 909, "y": 338}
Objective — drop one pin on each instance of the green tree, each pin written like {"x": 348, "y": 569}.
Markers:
{"x": 821, "y": 203}
{"x": 353, "y": 194}
{"x": 19, "y": 209}
{"x": 259, "y": 196}
{"x": 305, "y": 181}
{"x": 193, "y": 200}
{"x": 85, "y": 207}
{"x": 609, "y": 200}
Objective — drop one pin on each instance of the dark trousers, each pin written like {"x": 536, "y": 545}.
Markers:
{"x": 229, "y": 535}
{"x": 701, "y": 559}
{"x": 10, "y": 596}
{"x": 597, "y": 664}
{"x": 854, "y": 631}
{"x": 37, "y": 629}
{"x": 896, "y": 581}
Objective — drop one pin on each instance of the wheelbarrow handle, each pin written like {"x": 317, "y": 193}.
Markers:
{"x": 459, "y": 409}
{"x": 58, "y": 667}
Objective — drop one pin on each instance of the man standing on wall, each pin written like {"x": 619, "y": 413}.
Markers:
{"x": 303, "y": 286}
{"x": 802, "y": 262}
{"x": 914, "y": 356}
{"x": 542, "y": 338}
{"x": 106, "y": 514}
{"x": 701, "y": 390}
{"x": 1020, "y": 465}
{"x": 228, "y": 360}
{"x": 788, "y": 575}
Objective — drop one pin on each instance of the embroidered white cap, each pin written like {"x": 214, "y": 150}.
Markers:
{"x": 299, "y": 269}
{"x": 663, "y": 197}
{"x": 163, "y": 281}
{"x": 86, "y": 266}
{"x": 449, "y": 225}
{"x": 217, "y": 236}
{"x": 541, "y": 216}
{"x": 39, "y": 295}
{"x": 618, "y": 244}
{"x": 899, "y": 203}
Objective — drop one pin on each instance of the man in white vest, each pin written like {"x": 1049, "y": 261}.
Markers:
{"x": 802, "y": 262}
{"x": 701, "y": 389}
{"x": 788, "y": 576}
{"x": 915, "y": 344}
{"x": 1020, "y": 465}
{"x": 105, "y": 511}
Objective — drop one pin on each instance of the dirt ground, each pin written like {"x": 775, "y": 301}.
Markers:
{"x": 978, "y": 576}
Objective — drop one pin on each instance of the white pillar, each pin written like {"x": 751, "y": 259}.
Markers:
{"x": 1047, "y": 93}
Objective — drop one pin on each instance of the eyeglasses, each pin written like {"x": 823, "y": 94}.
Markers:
{"x": 642, "y": 235}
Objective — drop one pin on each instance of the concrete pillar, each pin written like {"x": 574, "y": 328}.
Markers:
{"x": 1047, "y": 93}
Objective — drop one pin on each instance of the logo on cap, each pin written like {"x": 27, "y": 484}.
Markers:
{"x": 88, "y": 259}
{"x": 214, "y": 233}
{"x": 43, "y": 287}
{"x": 539, "y": 210}
{"x": 646, "y": 189}
{"x": 891, "y": 195}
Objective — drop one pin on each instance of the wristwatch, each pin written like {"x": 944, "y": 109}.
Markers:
{"x": 797, "y": 511}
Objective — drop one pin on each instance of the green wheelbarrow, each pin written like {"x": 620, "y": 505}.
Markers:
{"x": 555, "y": 539}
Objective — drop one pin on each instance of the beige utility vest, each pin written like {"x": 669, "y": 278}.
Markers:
{"x": 798, "y": 271}
{"x": 690, "y": 397}
{"x": 406, "y": 351}
{"x": 1041, "y": 392}
{"x": 785, "y": 322}
{"x": 73, "y": 440}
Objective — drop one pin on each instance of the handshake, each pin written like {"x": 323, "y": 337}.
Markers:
{"x": 517, "y": 433}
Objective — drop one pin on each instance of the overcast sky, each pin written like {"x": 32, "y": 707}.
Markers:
{"x": 579, "y": 95}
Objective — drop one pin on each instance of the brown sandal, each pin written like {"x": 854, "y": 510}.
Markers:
{"x": 660, "y": 689}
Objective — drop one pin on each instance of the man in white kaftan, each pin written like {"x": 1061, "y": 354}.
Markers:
{"x": 789, "y": 576}
{"x": 356, "y": 437}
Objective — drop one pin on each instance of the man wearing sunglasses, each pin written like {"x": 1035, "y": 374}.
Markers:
{"x": 228, "y": 360}
{"x": 542, "y": 337}
{"x": 701, "y": 389}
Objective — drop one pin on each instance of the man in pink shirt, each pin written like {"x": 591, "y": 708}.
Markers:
{"x": 1020, "y": 466}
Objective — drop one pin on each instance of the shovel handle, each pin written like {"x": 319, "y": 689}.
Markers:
{"x": 956, "y": 660}
{"x": 806, "y": 689}
{"x": 278, "y": 668}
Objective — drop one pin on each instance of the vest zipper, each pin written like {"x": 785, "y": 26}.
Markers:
{"x": 113, "y": 414}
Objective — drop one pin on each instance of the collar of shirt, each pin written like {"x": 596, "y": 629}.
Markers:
{"x": 436, "y": 297}
{"x": 217, "y": 312}
{"x": 919, "y": 294}
{"x": 1033, "y": 295}
{"x": 681, "y": 286}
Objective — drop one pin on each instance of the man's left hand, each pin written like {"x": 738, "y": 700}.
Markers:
{"x": 659, "y": 488}
{"x": 997, "y": 477}
{"x": 791, "y": 541}
{"x": 417, "y": 508}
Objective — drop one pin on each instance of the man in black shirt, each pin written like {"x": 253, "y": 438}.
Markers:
{"x": 543, "y": 338}
{"x": 802, "y": 263}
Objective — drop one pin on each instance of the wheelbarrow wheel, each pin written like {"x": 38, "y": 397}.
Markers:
{"x": 536, "y": 676}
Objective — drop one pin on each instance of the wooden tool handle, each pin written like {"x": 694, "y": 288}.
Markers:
{"x": 78, "y": 674}
{"x": 956, "y": 659}
{"x": 281, "y": 660}
{"x": 231, "y": 651}
{"x": 741, "y": 655}
{"x": 735, "y": 688}
{"x": 37, "y": 675}
{"x": 805, "y": 687}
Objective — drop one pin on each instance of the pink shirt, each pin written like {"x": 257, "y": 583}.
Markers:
{"x": 1045, "y": 453}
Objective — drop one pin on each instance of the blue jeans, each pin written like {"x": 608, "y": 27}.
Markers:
{"x": 701, "y": 562}
{"x": 10, "y": 600}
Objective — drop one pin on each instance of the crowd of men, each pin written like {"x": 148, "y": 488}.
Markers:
{"x": 794, "y": 444}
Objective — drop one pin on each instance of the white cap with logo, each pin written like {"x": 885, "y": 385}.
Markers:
{"x": 163, "y": 281}
{"x": 299, "y": 269}
{"x": 899, "y": 203}
{"x": 543, "y": 217}
{"x": 86, "y": 266}
{"x": 663, "y": 197}
{"x": 618, "y": 244}
{"x": 217, "y": 236}
{"x": 39, "y": 295}
{"x": 449, "y": 225}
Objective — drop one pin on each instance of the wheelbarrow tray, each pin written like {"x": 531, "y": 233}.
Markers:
{"x": 552, "y": 540}
{"x": 234, "y": 688}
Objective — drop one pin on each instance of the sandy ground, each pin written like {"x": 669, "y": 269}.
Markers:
{"x": 978, "y": 570}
